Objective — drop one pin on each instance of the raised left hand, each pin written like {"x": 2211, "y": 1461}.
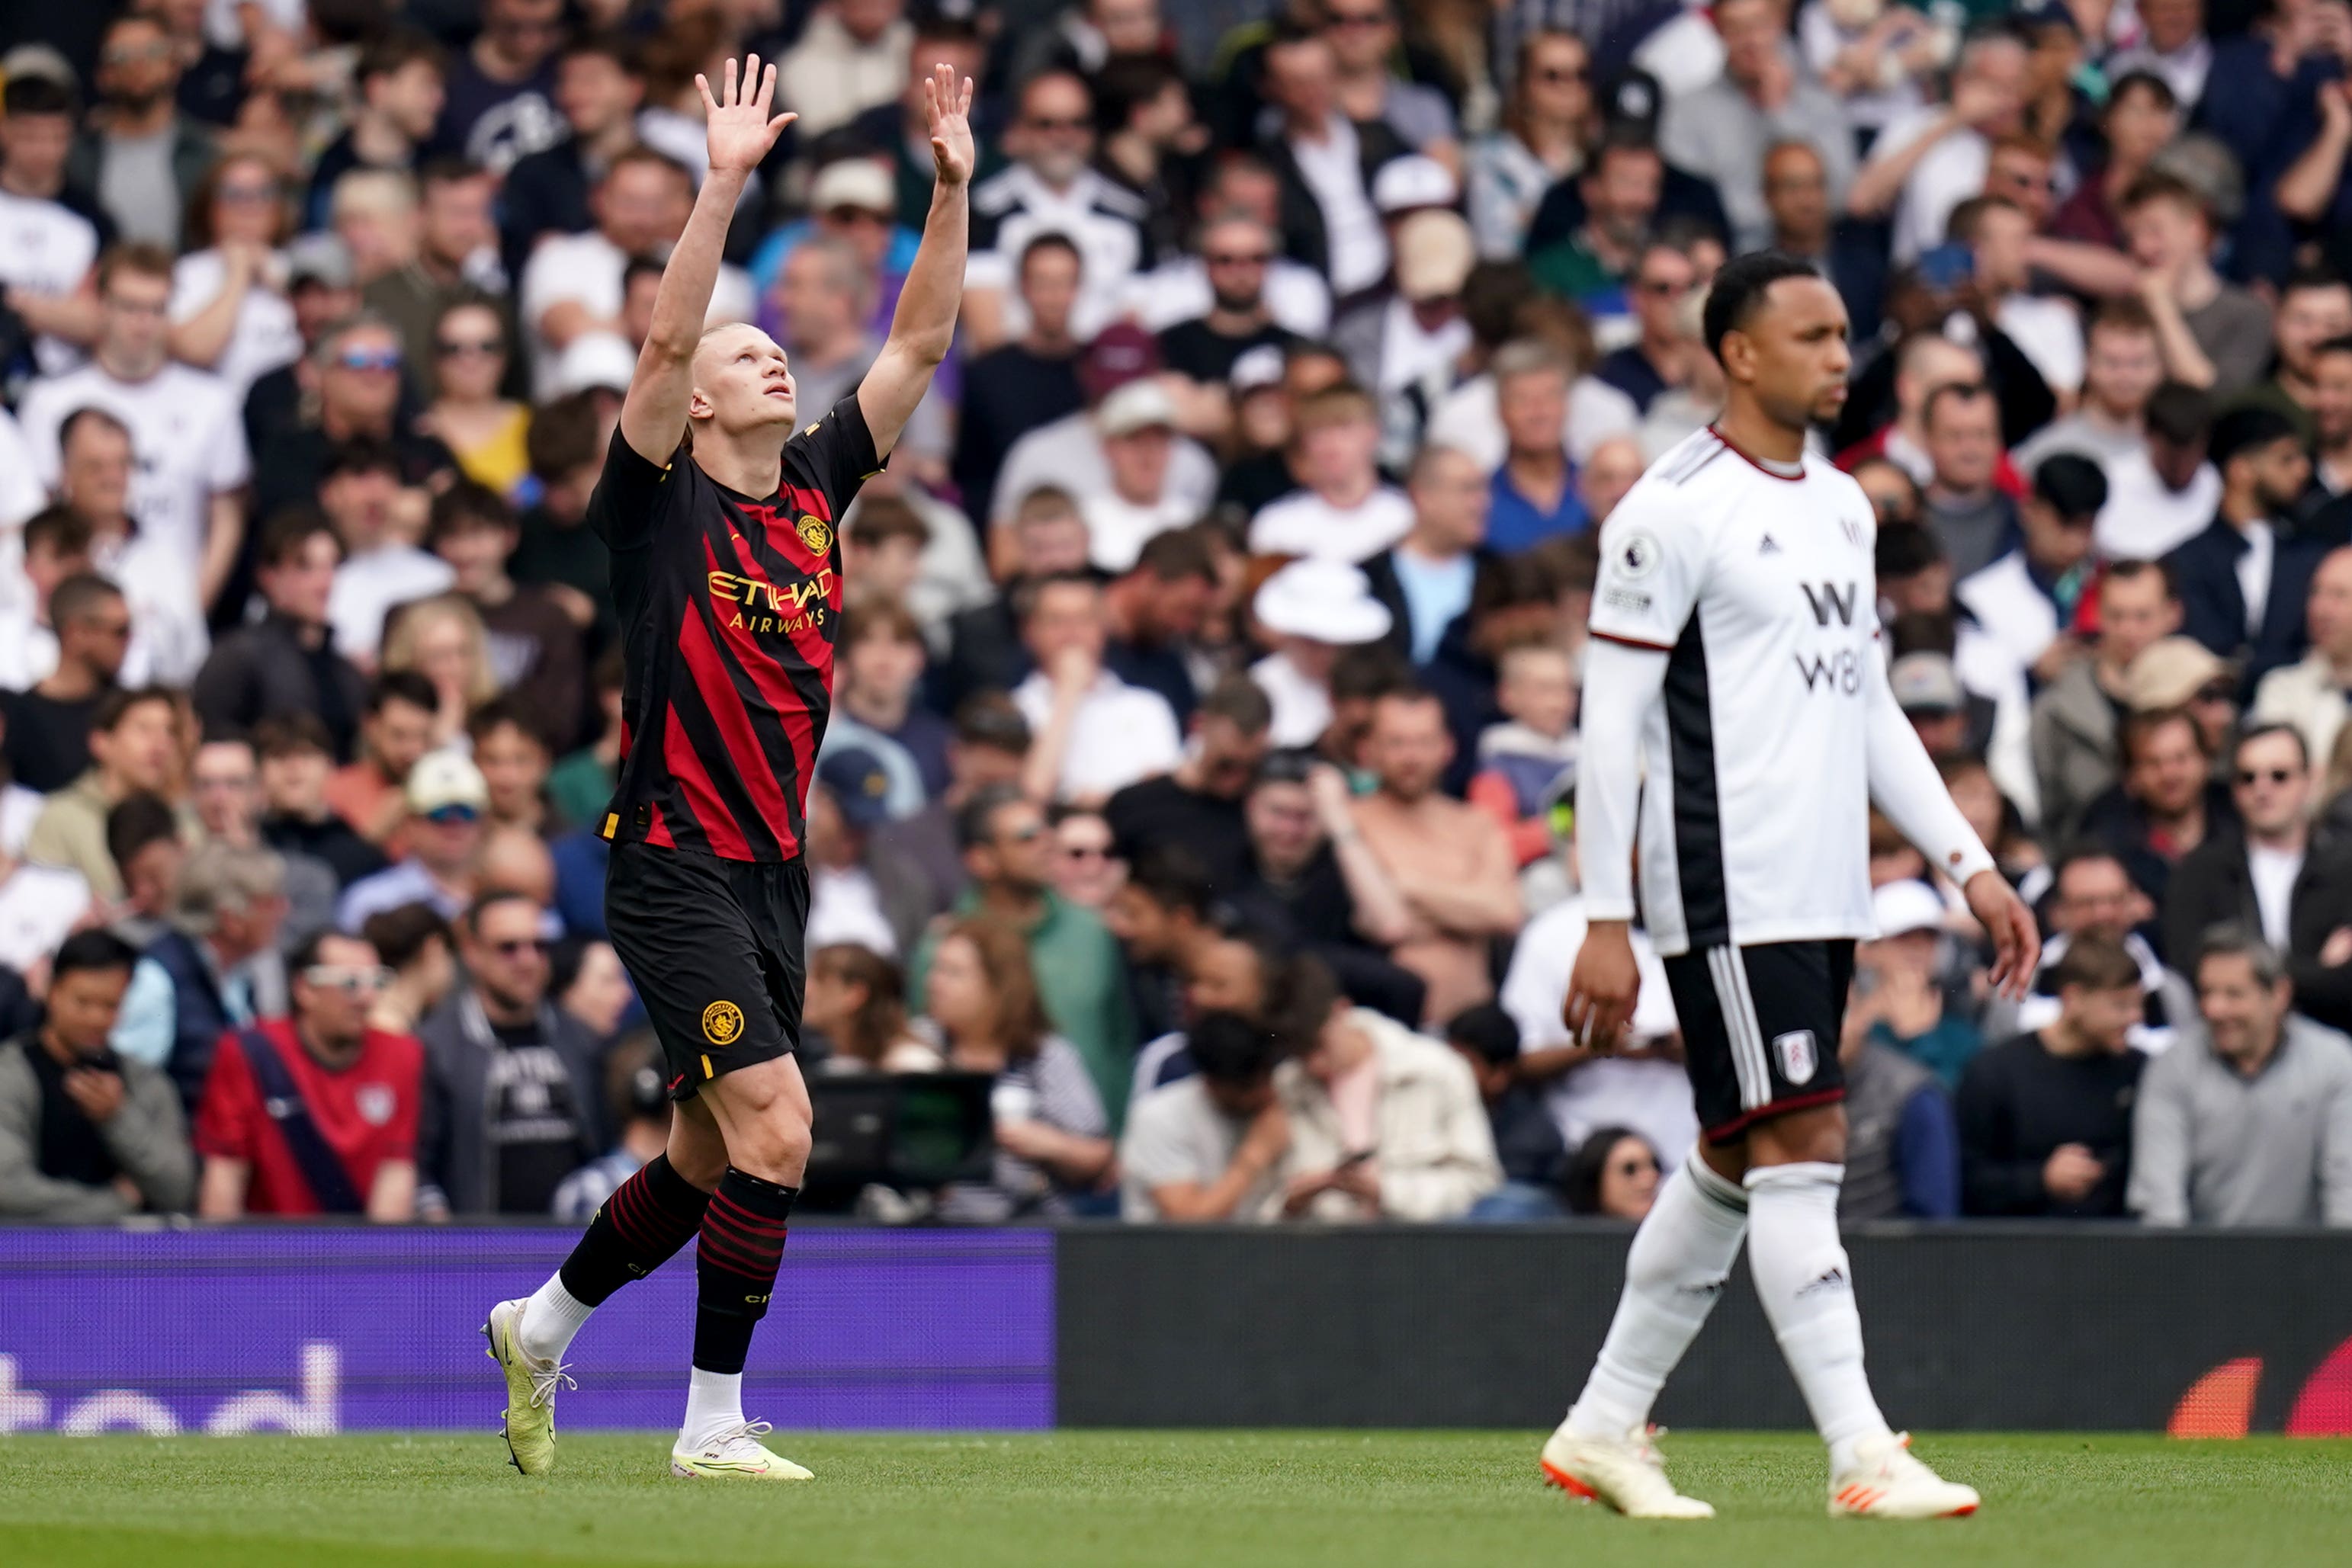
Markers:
{"x": 948, "y": 107}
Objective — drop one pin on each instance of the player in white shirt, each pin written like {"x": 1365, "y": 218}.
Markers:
{"x": 187, "y": 433}
{"x": 1736, "y": 661}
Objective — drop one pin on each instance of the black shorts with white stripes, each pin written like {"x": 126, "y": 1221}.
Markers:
{"x": 1760, "y": 1029}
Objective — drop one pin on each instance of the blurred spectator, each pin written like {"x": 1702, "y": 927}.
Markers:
{"x": 1086, "y": 869}
{"x": 502, "y": 90}
{"x": 2140, "y": 117}
{"x": 224, "y": 789}
{"x": 1160, "y": 914}
{"x": 1657, "y": 360}
{"x": 138, "y": 154}
{"x": 1898, "y": 1000}
{"x": 2122, "y": 368}
{"x": 1620, "y": 186}
{"x": 1367, "y": 46}
{"x": 2314, "y": 306}
{"x": 1311, "y": 874}
{"x": 218, "y": 967}
{"x": 879, "y": 657}
{"x": 1535, "y": 493}
{"x": 188, "y": 452}
{"x": 1325, "y": 162}
{"x": 2029, "y": 598}
{"x": 850, "y": 57}
{"x": 513, "y": 759}
{"x": 133, "y": 746}
{"x": 1069, "y": 452}
{"x": 2166, "y": 493}
{"x": 445, "y": 799}
{"x": 1384, "y": 1123}
{"x": 1407, "y": 340}
{"x": 1052, "y": 1140}
{"x": 1051, "y": 185}
{"x": 863, "y": 886}
{"x": 826, "y": 289}
{"x": 1140, "y": 498}
{"x": 87, "y": 1136}
{"x": 1198, "y": 803}
{"x": 2244, "y": 579}
{"x": 1540, "y": 141}
{"x": 1933, "y": 157}
{"x": 2265, "y": 874}
{"x": 1209, "y": 1147}
{"x": 2331, "y": 425}
{"x": 315, "y": 1114}
{"x": 511, "y": 1102}
{"x": 395, "y": 730}
{"x": 1527, "y": 767}
{"x": 1296, "y": 297}
{"x": 487, "y": 433}
{"x": 534, "y": 647}
{"x": 1425, "y": 578}
{"x": 397, "y": 96}
{"x": 1902, "y": 1150}
{"x": 1614, "y": 466}
{"x": 2168, "y": 803}
{"x": 168, "y": 639}
{"x": 1527, "y": 1143}
{"x": 590, "y": 983}
{"x": 580, "y": 786}
{"x": 419, "y": 949}
{"x": 229, "y": 314}
{"x": 850, "y": 202}
{"x": 2309, "y": 695}
{"x": 857, "y": 1002}
{"x": 53, "y": 227}
{"x": 1029, "y": 380}
{"x": 990, "y": 748}
{"x": 2248, "y": 1120}
{"x": 1722, "y": 130}
{"x": 1450, "y": 860}
{"x": 356, "y": 365}
{"x": 48, "y": 724}
{"x": 1154, "y": 614}
{"x": 442, "y": 639}
{"x": 1345, "y": 511}
{"x": 645, "y": 1114}
{"x": 1095, "y": 733}
{"x": 1805, "y": 223}
{"x": 38, "y": 904}
{"x": 1237, "y": 252}
{"x": 1999, "y": 234}
{"x": 1974, "y": 519}
{"x": 382, "y": 569}
{"x": 286, "y": 663}
{"x": 1079, "y": 977}
{"x": 2076, "y": 757}
{"x": 2214, "y": 334}
{"x": 558, "y": 550}
{"x": 600, "y": 83}
{"x": 147, "y": 840}
{"x": 1612, "y": 1174}
{"x": 1045, "y": 538}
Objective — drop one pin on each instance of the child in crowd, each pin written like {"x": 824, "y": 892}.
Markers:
{"x": 1527, "y": 767}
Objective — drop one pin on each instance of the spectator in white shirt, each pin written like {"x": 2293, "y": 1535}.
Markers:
{"x": 2167, "y": 492}
{"x": 168, "y": 636}
{"x": 229, "y": 313}
{"x": 1933, "y": 159}
{"x": 2122, "y": 368}
{"x": 2027, "y": 599}
{"x": 1139, "y": 438}
{"x": 851, "y": 57}
{"x": 47, "y": 247}
{"x": 1347, "y": 512}
{"x": 187, "y": 440}
{"x": 1095, "y": 734}
{"x": 2047, "y": 329}
{"x": 362, "y": 495}
{"x": 1310, "y": 611}
{"x": 572, "y": 284}
{"x": 1052, "y": 185}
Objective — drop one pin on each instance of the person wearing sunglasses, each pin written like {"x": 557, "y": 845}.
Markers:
{"x": 316, "y": 1113}
{"x": 512, "y": 1094}
{"x": 358, "y": 364}
{"x": 707, "y": 890}
{"x": 448, "y": 804}
{"x": 1546, "y": 121}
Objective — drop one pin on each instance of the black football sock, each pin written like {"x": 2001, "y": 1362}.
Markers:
{"x": 641, "y": 1227}
{"x": 735, "y": 1264}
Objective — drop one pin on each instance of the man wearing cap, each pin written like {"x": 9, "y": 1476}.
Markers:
{"x": 1896, "y": 979}
{"x": 2311, "y": 693}
{"x": 1928, "y": 691}
{"x": 1414, "y": 333}
{"x": 600, "y": 84}
{"x": 1051, "y": 186}
{"x": 2243, "y": 581}
{"x": 1069, "y": 452}
{"x": 863, "y": 887}
{"x": 1311, "y": 609}
{"x": 447, "y": 799}
{"x": 1723, "y": 130}
{"x": 2029, "y": 598}
{"x": 1095, "y": 733}
{"x": 572, "y": 284}
{"x": 1137, "y": 423}
{"x": 850, "y": 200}
{"x": 1029, "y": 381}
{"x": 2076, "y": 712}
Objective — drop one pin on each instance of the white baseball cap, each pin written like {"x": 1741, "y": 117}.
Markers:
{"x": 1902, "y": 907}
{"x": 1413, "y": 181}
{"x": 858, "y": 182}
{"x": 596, "y": 359}
{"x": 1137, "y": 405}
{"x": 443, "y": 778}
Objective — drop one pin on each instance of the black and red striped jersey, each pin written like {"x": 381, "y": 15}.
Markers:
{"x": 727, "y": 607}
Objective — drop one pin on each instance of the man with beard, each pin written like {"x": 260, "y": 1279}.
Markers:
{"x": 2243, "y": 580}
{"x": 1199, "y": 805}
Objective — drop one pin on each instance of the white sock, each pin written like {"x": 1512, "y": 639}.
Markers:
{"x": 550, "y": 1319}
{"x": 714, "y": 1402}
{"x": 1806, "y": 1284}
{"x": 1672, "y": 1275}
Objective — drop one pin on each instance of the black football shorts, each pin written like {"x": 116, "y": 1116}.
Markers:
{"x": 1760, "y": 1029}
{"x": 716, "y": 950}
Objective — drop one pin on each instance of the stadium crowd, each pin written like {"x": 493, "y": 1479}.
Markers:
{"x": 1203, "y": 756}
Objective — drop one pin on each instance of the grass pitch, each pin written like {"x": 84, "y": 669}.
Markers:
{"x": 1223, "y": 1499}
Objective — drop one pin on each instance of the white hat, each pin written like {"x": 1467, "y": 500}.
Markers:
{"x": 1434, "y": 254}
{"x": 1902, "y": 907}
{"x": 1137, "y": 405}
{"x": 596, "y": 359}
{"x": 1256, "y": 368}
{"x": 1413, "y": 181}
{"x": 1324, "y": 601}
{"x": 859, "y": 182}
{"x": 443, "y": 779}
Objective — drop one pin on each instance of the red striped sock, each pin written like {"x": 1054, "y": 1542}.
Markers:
{"x": 735, "y": 1262}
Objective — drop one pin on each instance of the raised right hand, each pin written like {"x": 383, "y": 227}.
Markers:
{"x": 738, "y": 130}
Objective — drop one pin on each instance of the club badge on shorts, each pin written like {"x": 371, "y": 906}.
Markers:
{"x": 1798, "y": 1056}
{"x": 721, "y": 1022}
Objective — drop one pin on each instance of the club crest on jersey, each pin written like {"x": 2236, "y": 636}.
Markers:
{"x": 814, "y": 534}
{"x": 1638, "y": 557}
{"x": 375, "y": 1103}
{"x": 721, "y": 1023}
{"x": 1798, "y": 1056}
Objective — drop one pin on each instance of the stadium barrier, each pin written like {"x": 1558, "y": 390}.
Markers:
{"x": 315, "y": 1330}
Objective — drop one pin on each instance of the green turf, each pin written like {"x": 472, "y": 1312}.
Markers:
{"x": 1214, "y": 1499}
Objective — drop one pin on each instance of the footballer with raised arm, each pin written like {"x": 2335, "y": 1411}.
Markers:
{"x": 722, "y": 501}
{"x": 1738, "y": 723}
